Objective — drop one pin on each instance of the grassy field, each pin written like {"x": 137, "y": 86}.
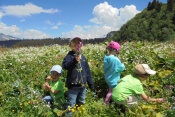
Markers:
{"x": 23, "y": 71}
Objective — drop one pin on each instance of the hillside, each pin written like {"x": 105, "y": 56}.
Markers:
{"x": 155, "y": 23}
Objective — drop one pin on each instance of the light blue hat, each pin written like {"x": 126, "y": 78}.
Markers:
{"x": 56, "y": 68}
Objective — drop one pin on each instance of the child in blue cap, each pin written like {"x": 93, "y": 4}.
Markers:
{"x": 55, "y": 86}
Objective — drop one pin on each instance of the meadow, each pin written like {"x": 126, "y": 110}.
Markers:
{"x": 24, "y": 69}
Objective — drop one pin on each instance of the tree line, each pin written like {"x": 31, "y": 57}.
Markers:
{"x": 45, "y": 42}
{"x": 155, "y": 4}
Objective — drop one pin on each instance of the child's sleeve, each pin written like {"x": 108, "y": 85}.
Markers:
{"x": 119, "y": 67}
{"x": 89, "y": 75}
{"x": 60, "y": 86}
{"x": 69, "y": 62}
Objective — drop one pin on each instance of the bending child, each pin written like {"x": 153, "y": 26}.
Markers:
{"x": 112, "y": 68}
{"x": 130, "y": 86}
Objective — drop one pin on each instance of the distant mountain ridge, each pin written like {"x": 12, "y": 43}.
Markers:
{"x": 4, "y": 37}
{"x": 10, "y": 41}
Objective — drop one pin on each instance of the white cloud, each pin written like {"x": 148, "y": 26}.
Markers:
{"x": 106, "y": 18}
{"x": 21, "y": 11}
{"x": 128, "y": 12}
{"x": 87, "y": 32}
{"x": 49, "y": 22}
{"x": 16, "y": 32}
{"x": 104, "y": 14}
{"x": 25, "y": 10}
{"x": 34, "y": 34}
{"x": 1, "y": 14}
{"x": 54, "y": 27}
{"x": 59, "y": 23}
{"x": 12, "y": 30}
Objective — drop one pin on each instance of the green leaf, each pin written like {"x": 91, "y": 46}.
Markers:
{"x": 159, "y": 115}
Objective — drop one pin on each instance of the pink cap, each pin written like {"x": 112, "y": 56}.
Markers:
{"x": 114, "y": 45}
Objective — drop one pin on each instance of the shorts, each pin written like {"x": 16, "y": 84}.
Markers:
{"x": 131, "y": 100}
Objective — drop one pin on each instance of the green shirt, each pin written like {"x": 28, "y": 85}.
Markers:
{"x": 59, "y": 97}
{"x": 128, "y": 85}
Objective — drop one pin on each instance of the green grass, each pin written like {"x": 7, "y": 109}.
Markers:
{"x": 23, "y": 71}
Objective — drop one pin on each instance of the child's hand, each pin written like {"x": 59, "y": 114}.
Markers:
{"x": 160, "y": 100}
{"x": 47, "y": 84}
{"x": 48, "y": 78}
{"x": 78, "y": 58}
{"x": 44, "y": 86}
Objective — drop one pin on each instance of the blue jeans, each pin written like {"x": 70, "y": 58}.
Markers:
{"x": 48, "y": 99}
{"x": 76, "y": 95}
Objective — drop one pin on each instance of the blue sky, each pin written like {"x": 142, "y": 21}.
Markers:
{"x": 38, "y": 19}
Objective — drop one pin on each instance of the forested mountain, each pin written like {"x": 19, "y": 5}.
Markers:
{"x": 156, "y": 22}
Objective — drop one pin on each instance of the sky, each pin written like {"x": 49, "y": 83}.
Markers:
{"x": 88, "y": 19}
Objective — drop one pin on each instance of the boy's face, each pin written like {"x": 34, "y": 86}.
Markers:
{"x": 55, "y": 75}
{"x": 75, "y": 44}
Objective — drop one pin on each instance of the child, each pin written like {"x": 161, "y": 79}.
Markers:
{"x": 130, "y": 86}
{"x": 78, "y": 73}
{"x": 112, "y": 68}
{"x": 55, "y": 86}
